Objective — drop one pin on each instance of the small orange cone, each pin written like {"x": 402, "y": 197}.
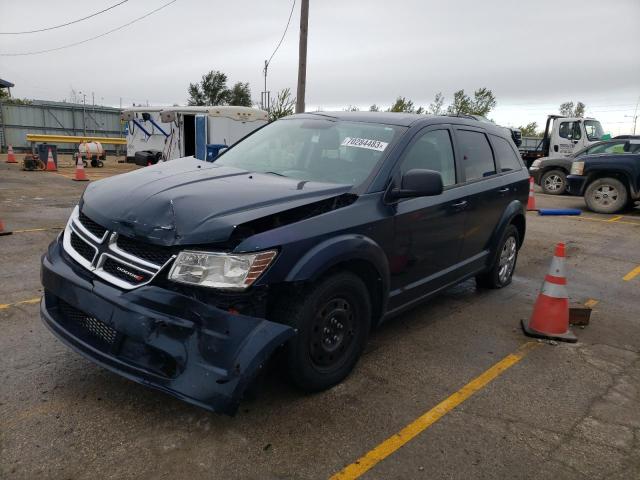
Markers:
{"x": 2, "y": 230}
{"x": 11, "y": 157}
{"x": 550, "y": 318}
{"x": 81, "y": 176}
{"x": 51, "y": 165}
{"x": 531, "y": 203}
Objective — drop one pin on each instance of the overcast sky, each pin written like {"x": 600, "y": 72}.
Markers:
{"x": 533, "y": 55}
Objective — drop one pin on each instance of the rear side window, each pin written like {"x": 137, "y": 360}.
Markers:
{"x": 432, "y": 151}
{"x": 507, "y": 158}
{"x": 477, "y": 156}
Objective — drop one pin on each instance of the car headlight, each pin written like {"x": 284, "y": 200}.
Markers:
{"x": 220, "y": 270}
{"x": 536, "y": 163}
{"x": 577, "y": 168}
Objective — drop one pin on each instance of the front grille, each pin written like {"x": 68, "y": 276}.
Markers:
{"x": 151, "y": 253}
{"x": 82, "y": 247}
{"x": 89, "y": 325}
{"x": 124, "y": 272}
{"x": 92, "y": 226}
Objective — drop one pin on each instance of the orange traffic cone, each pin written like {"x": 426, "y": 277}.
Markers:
{"x": 550, "y": 318}
{"x": 51, "y": 165}
{"x": 11, "y": 157}
{"x": 81, "y": 176}
{"x": 531, "y": 203}
{"x": 2, "y": 230}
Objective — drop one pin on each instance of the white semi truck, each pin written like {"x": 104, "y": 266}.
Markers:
{"x": 167, "y": 133}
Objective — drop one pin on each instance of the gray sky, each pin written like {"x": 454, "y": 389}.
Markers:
{"x": 533, "y": 55}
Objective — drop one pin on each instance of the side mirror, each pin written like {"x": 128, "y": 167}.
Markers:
{"x": 418, "y": 183}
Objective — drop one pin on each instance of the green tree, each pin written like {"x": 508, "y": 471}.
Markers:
{"x": 402, "y": 105}
{"x": 282, "y": 105}
{"x": 240, "y": 95}
{"x": 529, "y": 130}
{"x": 435, "y": 108}
{"x": 482, "y": 103}
{"x": 351, "y": 108}
{"x": 568, "y": 110}
{"x": 211, "y": 90}
{"x": 461, "y": 104}
{"x": 374, "y": 108}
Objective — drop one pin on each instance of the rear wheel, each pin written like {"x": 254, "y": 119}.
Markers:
{"x": 332, "y": 319}
{"x": 501, "y": 272}
{"x": 554, "y": 182}
{"x": 606, "y": 195}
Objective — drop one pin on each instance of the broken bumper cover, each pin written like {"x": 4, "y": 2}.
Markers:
{"x": 156, "y": 337}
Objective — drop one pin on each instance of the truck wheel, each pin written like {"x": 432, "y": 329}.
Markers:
{"x": 332, "y": 319}
{"x": 606, "y": 195}
{"x": 501, "y": 272}
{"x": 554, "y": 182}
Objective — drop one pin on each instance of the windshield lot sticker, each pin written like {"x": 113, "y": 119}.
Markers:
{"x": 365, "y": 143}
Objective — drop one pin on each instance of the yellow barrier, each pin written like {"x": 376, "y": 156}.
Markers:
{"x": 34, "y": 137}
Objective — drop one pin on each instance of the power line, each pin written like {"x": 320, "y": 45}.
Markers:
{"x": 89, "y": 39}
{"x": 283, "y": 34}
{"x": 65, "y": 24}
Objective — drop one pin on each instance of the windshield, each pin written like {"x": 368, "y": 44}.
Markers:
{"x": 593, "y": 129}
{"x": 319, "y": 150}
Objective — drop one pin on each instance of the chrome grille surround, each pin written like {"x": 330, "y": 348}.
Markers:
{"x": 107, "y": 247}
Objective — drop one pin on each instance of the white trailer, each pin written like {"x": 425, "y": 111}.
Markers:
{"x": 144, "y": 130}
{"x": 193, "y": 128}
{"x": 179, "y": 132}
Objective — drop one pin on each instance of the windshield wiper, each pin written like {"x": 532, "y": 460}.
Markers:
{"x": 276, "y": 173}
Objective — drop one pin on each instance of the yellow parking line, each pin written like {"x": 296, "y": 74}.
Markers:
{"x": 591, "y": 303}
{"x": 615, "y": 219}
{"x": 583, "y": 217}
{"x": 28, "y": 230}
{"x": 420, "y": 424}
{"x": 632, "y": 274}
{"x": 23, "y": 302}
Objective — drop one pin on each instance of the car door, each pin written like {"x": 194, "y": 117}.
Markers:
{"x": 427, "y": 230}
{"x": 487, "y": 194}
{"x": 567, "y": 139}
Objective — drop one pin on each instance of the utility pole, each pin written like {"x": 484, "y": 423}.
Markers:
{"x": 302, "y": 56}
{"x": 84, "y": 113}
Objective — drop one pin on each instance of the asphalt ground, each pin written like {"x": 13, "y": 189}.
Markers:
{"x": 451, "y": 389}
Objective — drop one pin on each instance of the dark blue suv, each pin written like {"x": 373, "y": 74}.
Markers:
{"x": 186, "y": 276}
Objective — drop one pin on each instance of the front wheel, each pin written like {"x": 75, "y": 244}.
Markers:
{"x": 554, "y": 182}
{"x": 332, "y": 319}
{"x": 501, "y": 272}
{"x": 606, "y": 195}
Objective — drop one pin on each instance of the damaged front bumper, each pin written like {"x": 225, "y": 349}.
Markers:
{"x": 156, "y": 337}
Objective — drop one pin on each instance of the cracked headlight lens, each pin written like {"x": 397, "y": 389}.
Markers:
{"x": 227, "y": 271}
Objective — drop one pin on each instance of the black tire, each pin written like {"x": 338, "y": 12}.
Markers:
{"x": 339, "y": 300}
{"x": 554, "y": 182}
{"x": 606, "y": 195}
{"x": 495, "y": 277}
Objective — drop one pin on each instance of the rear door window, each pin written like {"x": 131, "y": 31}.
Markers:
{"x": 507, "y": 158}
{"x": 477, "y": 156}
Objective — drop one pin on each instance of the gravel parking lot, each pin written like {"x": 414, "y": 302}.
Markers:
{"x": 555, "y": 411}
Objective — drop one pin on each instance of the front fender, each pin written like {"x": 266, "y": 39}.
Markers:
{"x": 340, "y": 249}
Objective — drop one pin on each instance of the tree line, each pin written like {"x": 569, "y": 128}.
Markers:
{"x": 212, "y": 89}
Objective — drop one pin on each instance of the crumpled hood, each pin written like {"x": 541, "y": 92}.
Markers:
{"x": 187, "y": 201}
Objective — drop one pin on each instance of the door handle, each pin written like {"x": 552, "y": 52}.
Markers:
{"x": 460, "y": 205}
{"x": 504, "y": 190}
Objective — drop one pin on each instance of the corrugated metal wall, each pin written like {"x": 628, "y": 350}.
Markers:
{"x": 54, "y": 118}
